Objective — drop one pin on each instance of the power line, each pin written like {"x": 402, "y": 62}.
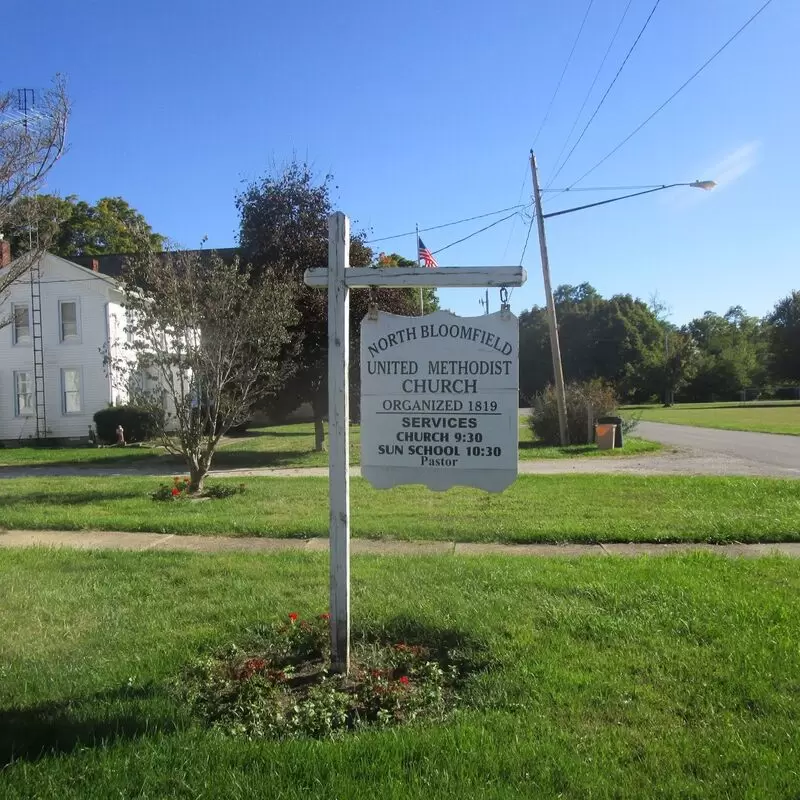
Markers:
{"x": 671, "y": 97}
{"x": 481, "y": 230}
{"x": 563, "y": 72}
{"x": 530, "y": 228}
{"x": 610, "y": 87}
{"x": 601, "y": 188}
{"x": 447, "y": 224}
{"x": 514, "y": 223}
{"x": 589, "y": 92}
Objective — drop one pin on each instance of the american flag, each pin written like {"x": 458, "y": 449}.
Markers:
{"x": 426, "y": 255}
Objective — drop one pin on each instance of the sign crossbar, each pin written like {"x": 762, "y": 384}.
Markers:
{"x": 413, "y": 277}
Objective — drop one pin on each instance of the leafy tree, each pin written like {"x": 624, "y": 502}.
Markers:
{"x": 679, "y": 363}
{"x": 74, "y": 227}
{"x": 430, "y": 299}
{"x": 30, "y": 145}
{"x": 731, "y": 354}
{"x": 784, "y": 339}
{"x": 284, "y": 227}
{"x": 617, "y": 340}
{"x": 204, "y": 346}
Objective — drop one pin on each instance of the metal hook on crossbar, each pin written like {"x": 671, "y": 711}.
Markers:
{"x": 504, "y": 305}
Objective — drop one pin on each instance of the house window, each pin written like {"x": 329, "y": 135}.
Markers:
{"x": 23, "y": 393}
{"x": 68, "y": 319}
{"x": 71, "y": 390}
{"x": 22, "y": 324}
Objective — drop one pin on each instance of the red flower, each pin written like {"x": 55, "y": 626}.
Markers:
{"x": 250, "y": 667}
{"x": 326, "y": 617}
{"x": 175, "y": 491}
{"x": 293, "y": 616}
{"x": 404, "y": 680}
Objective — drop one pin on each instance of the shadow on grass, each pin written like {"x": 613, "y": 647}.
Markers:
{"x": 572, "y": 450}
{"x": 31, "y": 733}
{"x": 131, "y": 461}
{"x": 241, "y": 436}
{"x": 308, "y": 433}
{"x": 69, "y": 498}
{"x": 254, "y": 459}
{"x": 448, "y": 646}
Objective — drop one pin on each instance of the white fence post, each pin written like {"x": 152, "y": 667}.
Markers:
{"x": 339, "y": 437}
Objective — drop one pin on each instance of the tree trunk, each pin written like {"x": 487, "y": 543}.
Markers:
{"x": 197, "y": 477}
{"x": 319, "y": 434}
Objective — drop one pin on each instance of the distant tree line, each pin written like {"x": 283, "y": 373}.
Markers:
{"x": 630, "y": 345}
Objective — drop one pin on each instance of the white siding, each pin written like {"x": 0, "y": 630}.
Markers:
{"x": 97, "y": 299}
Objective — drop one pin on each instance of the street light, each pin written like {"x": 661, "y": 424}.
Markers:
{"x": 555, "y": 347}
{"x": 706, "y": 186}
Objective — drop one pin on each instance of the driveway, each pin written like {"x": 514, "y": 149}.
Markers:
{"x": 770, "y": 452}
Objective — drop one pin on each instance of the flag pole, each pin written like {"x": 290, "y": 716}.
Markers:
{"x": 421, "y": 296}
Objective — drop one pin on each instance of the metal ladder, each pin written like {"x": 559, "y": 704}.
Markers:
{"x": 38, "y": 350}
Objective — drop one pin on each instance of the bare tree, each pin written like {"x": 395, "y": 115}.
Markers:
{"x": 203, "y": 346}
{"x": 31, "y": 141}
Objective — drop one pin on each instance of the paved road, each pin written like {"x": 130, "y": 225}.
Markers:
{"x": 772, "y": 453}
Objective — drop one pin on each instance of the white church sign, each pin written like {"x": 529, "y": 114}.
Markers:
{"x": 439, "y": 400}
{"x": 491, "y": 346}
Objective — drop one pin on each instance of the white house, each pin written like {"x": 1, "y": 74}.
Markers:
{"x": 81, "y": 317}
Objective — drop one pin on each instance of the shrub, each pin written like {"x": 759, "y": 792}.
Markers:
{"x": 630, "y": 423}
{"x": 219, "y": 491}
{"x": 139, "y": 424}
{"x": 582, "y": 399}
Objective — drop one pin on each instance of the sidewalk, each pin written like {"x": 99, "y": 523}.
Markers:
{"x": 111, "y": 540}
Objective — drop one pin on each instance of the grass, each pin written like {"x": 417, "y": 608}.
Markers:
{"x": 537, "y": 508}
{"x": 766, "y": 417}
{"x": 285, "y": 446}
{"x": 640, "y": 678}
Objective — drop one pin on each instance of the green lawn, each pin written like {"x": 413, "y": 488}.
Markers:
{"x": 284, "y": 446}
{"x": 639, "y": 678}
{"x": 766, "y": 417}
{"x": 537, "y": 508}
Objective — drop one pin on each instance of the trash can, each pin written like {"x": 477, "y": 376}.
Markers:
{"x": 605, "y": 435}
{"x": 613, "y": 421}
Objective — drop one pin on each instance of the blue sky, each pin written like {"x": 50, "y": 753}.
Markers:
{"x": 425, "y": 113}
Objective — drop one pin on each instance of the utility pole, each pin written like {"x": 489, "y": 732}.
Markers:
{"x": 555, "y": 347}
{"x": 485, "y": 302}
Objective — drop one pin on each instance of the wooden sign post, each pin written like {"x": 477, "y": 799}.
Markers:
{"x": 339, "y": 278}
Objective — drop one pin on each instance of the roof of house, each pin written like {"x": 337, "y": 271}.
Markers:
{"x": 114, "y": 263}
{"x": 87, "y": 274}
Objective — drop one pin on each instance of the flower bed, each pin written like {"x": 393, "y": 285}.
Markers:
{"x": 278, "y": 683}
{"x": 179, "y": 489}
